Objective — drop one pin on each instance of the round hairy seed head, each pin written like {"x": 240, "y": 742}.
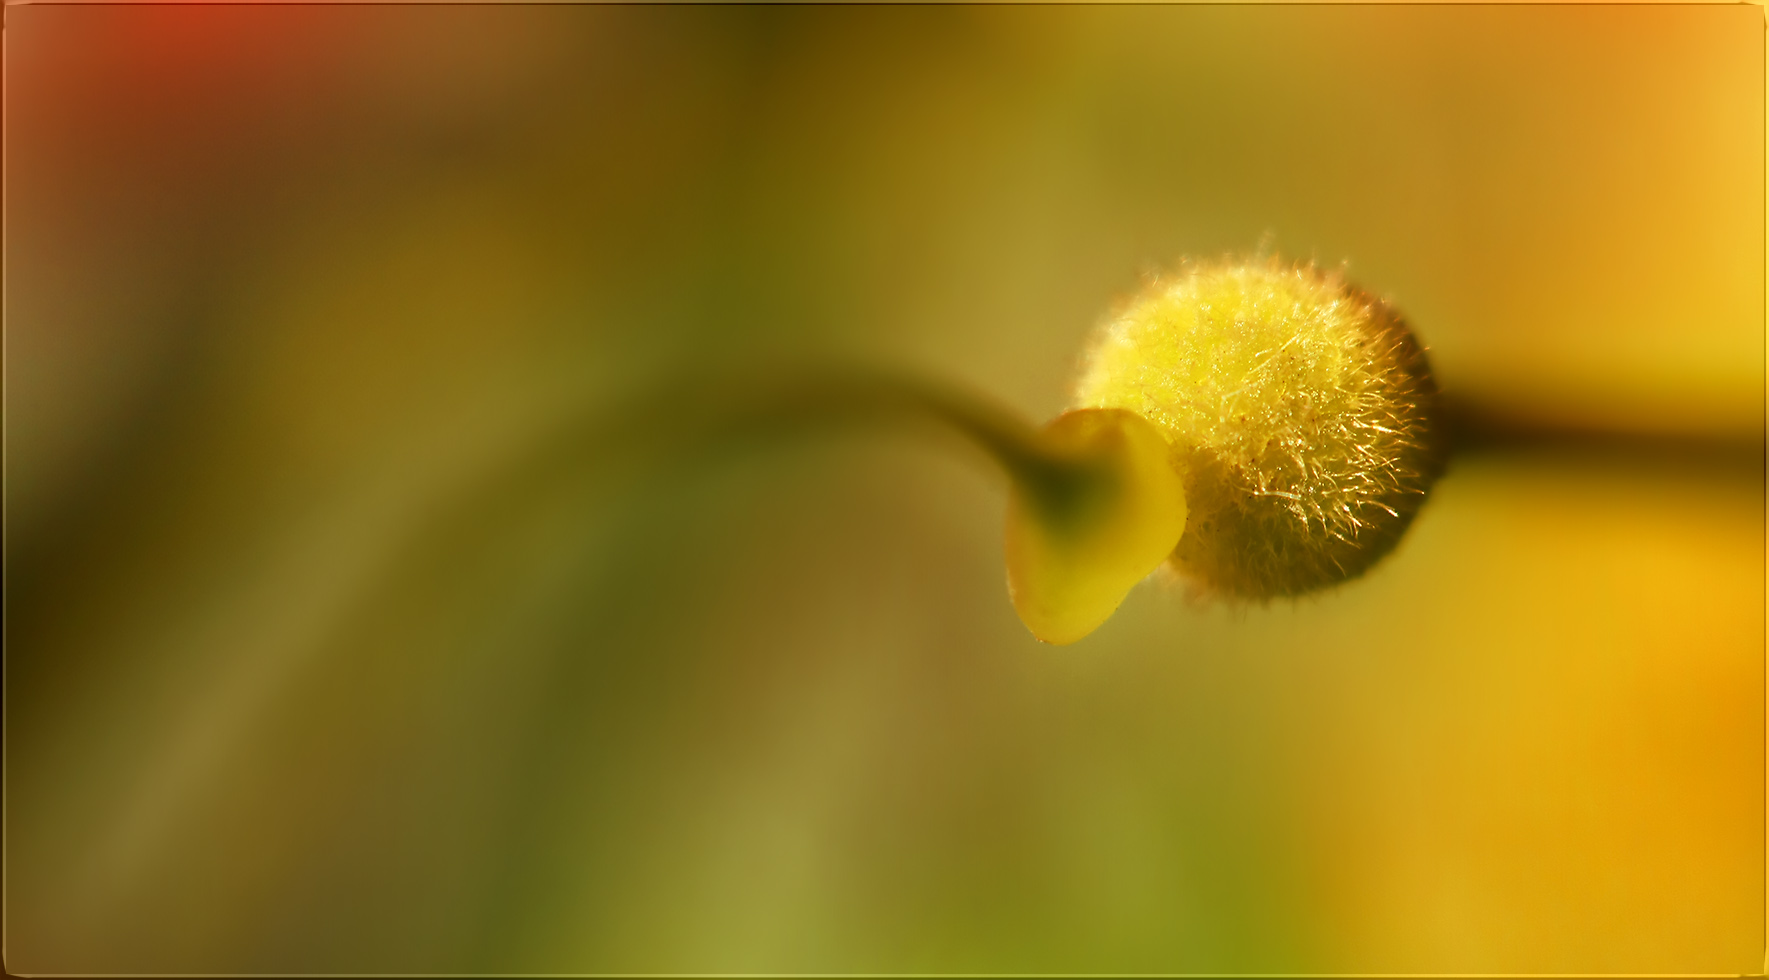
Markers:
{"x": 1301, "y": 409}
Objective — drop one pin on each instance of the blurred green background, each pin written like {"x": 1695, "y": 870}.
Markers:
{"x": 311, "y": 667}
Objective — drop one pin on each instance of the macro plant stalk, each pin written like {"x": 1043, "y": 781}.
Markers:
{"x": 1262, "y": 429}
{"x": 1096, "y": 498}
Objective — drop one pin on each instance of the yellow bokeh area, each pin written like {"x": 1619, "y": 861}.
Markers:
{"x": 357, "y": 621}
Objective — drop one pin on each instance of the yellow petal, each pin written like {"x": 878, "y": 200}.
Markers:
{"x": 1081, "y": 535}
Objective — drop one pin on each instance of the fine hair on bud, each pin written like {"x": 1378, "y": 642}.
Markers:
{"x": 1300, "y": 408}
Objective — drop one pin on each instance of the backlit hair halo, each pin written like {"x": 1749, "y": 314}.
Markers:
{"x": 1268, "y": 430}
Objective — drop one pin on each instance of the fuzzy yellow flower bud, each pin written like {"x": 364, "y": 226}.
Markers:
{"x": 1302, "y": 412}
{"x": 1266, "y": 430}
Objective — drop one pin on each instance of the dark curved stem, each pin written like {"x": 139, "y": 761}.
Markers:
{"x": 1477, "y": 428}
{"x": 696, "y": 413}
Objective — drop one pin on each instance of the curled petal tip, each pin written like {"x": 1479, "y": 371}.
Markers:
{"x": 1080, "y": 535}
